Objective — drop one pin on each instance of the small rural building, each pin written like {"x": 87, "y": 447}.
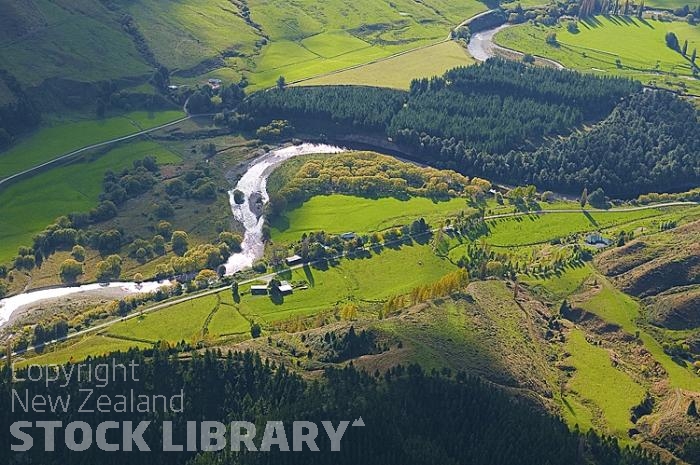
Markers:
{"x": 348, "y": 236}
{"x": 596, "y": 239}
{"x": 258, "y": 289}
{"x": 285, "y": 288}
{"x": 214, "y": 83}
{"x": 293, "y": 260}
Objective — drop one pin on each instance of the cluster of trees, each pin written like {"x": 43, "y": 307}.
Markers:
{"x": 491, "y": 426}
{"x": 130, "y": 182}
{"x": 18, "y": 114}
{"x": 336, "y": 348}
{"x": 368, "y": 174}
{"x": 197, "y": 183}
{"x": 205, "y": 100}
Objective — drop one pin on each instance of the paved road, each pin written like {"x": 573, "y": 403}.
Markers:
{"x": 574, "y": 210}
{"x": 268, "y": 276}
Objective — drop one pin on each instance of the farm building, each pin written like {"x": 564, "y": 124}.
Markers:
{"x": 596, "y": 239}
{"x": 348, "y": 236}
{"x": 258, "y": 289}
{"x": 285, "y": 288}
{"x": 293, "y": 260}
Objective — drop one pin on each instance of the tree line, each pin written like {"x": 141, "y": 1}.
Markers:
{"x": 503, "y": 120}
{"x": 451, "y": 418}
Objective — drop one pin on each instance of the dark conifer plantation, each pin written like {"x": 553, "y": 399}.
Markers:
{"x": 505, "y": 121}
{"x": 411, "y": 417}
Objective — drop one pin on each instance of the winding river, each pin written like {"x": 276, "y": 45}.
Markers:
{"x": 253, "y": 184}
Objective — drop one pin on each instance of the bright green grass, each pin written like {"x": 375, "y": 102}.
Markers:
{"x": 182, "y": 33}
{"x": 560, "y": 286}
{"x": 534, "y": 229}
{"x": 389, "y": 273}
{"x": 334, "y": 34}
{"x": 597, "y": 381}
{"x": 399, "y": 71}
{"x": 51, "y": 142}
{"x": 671, "y": 4}
{"x": 638, "y": 44}
{"x": 342, "y": 213}
{"x": 28, "y": 206}
{"x": 181, "y": 322}
{"x": 228, "y": 320}
{"x": 334, "y": 43}
{"x": 87, "y": 346}
{"x": 576, "y": 413}
{"x": 617, "y": 307}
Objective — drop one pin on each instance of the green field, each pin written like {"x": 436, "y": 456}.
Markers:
{"x": 94, "y": 345}
{"x": 598, "y": 382}
{"x": 341, "y": 213}
{"x": 399, "y": 71}
{"x": 51, "y": 142}
{"x": 180, "y": 322}
{"x": 638, "y": 44}
{"x": 534, "y": 229}
{"x": 28, "y": 206}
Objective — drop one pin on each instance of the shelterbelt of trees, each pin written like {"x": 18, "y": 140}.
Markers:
{"x": 452, "y": 418}
{"x": 503, "y": 120}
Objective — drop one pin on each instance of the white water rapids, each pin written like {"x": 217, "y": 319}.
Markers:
{"x": 253, "y": 182}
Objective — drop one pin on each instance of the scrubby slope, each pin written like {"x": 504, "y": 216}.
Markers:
{"x": 656, "y": 263}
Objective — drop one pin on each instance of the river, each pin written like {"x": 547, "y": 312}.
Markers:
{"x": 253, "y": 184}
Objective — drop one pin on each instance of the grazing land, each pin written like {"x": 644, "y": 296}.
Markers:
{"x": 601, "y": 41}
{"x": 338, "y": 213}
{"x": 53, "y": 141}
{"x": 399, "y": 71}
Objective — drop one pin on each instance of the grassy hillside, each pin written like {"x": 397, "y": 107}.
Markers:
{"x": 399, "y": 71}
{"x": 639, "y": 45}
{"x": 79, "y": 40}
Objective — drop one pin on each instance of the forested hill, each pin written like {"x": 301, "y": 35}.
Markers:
{"x": 410, "y": 417}
{"x": 504, "y": 120}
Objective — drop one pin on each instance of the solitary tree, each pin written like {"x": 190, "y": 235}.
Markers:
{"x": 692, "y": 409}
{"x": 584, "y": 197}
{"x": 281, "y": 83}
{"x": 693, "y": 56}
{"x": 684, "y": 50}
{"x": 672, "y": 41}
